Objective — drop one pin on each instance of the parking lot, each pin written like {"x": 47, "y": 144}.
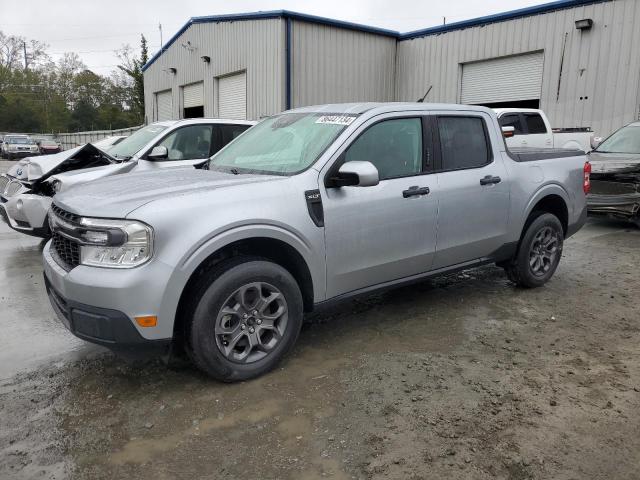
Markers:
{"x": 464, "y": 377}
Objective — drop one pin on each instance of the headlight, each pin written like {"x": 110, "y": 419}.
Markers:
{"x": 115, "y": 243}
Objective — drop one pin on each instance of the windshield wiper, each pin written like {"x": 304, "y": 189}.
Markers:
{"x": 234, "y": 171}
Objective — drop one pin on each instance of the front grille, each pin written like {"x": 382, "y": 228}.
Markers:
{"x": 65, "y": 251}
{"x": 4, "y": 181}
{"x": 63, "y": 214}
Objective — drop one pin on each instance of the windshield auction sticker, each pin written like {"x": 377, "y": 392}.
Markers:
{"x": 336, "y": 119}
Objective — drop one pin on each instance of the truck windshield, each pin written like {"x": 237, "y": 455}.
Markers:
{"x": 282, "y": 144}
{"x": 128, "y": 147}
{"x": 625, "y": 140}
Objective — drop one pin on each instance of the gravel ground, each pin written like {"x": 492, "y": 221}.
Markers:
{"x": 463, "y": 377}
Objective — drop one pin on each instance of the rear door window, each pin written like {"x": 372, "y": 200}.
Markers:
{"x": 535, "y": 123}
{"x": 224, "y": 134}
{"x": 464, "y": 142}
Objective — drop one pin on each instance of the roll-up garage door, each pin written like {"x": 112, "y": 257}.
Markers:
{"x": 164, "y": 105}
{"x": 232, "y": 96}
{"x": 505, "y": 79}
{"x": 193, "y": 95}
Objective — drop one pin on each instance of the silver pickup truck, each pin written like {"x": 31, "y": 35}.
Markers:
{"x": 309, "y": 207}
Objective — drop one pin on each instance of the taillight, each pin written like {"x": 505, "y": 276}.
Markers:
{"x": 586, "y": 180}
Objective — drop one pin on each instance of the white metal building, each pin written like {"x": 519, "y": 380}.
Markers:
{"x": 576, "y": 59}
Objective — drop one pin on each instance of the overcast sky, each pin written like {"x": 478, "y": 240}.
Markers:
{"x": 94, "y": 29}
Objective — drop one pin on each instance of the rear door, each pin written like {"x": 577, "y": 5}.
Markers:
{"x": 473, "y": 188}
{"x": 385, "y": 232}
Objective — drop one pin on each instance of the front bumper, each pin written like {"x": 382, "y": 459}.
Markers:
{"x": 99, "y": 304}
{"x": 620, "y": 206}
{"x": 22, "y": 154}
{"x": 27, "y": 213}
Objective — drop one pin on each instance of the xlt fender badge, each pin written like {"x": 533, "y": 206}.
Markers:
{"x": 314, "y": 205}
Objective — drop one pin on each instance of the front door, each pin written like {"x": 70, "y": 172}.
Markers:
{"x": 473, "y": 190}
{"x": 384, "y": 232}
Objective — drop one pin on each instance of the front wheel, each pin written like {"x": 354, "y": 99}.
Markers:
{"x": 539, "y": 252}
{"x": 245, "y": 317}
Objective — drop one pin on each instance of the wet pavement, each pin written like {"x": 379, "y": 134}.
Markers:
{"x": 31, "y": 333}
{"x": 463, "y": 376}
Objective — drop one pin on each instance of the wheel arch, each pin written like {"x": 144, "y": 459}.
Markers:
{"x": 272, "y": 244}
{"x": 551, "y": 199}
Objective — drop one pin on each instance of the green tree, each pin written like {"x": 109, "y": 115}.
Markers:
{"x": 132, "y": 66}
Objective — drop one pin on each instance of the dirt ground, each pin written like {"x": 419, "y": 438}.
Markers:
{"x": 462, "y": 377}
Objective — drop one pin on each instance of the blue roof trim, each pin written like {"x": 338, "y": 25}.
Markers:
{"x": 498, "y": 17}
{"x": 474, "y": 22}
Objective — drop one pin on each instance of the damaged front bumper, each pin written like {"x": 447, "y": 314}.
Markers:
{"x": 27, "y": 213}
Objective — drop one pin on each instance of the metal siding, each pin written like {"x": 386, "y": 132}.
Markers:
{"x": 331, "y": 64}
{"x": 193, "y": 95}
{"x": 232, "y": 96}
{"x": 601, "y": 65}
{"x": 164, "y": 105}
{"x": 256, "y": 46}
{"x": 513, "y": 78}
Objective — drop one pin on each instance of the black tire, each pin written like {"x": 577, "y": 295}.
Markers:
{"x": 520, "y": 270}
{"x": 215, "y": 291}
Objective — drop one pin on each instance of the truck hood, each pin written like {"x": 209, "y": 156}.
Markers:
{"x": 116, "y": 197}
{"x": 32, "y": 169}
{"x": 609, "y": 163}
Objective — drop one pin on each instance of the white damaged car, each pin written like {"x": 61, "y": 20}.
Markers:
{"x": 27, "y": 189}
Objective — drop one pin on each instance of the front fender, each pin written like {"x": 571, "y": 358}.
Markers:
{"x": 192, "y": 260}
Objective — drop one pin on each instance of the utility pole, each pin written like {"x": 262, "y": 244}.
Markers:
{"x": 444, "y": 20}
{"x": 161, "y": 44}
{"x": 24, "y": 49}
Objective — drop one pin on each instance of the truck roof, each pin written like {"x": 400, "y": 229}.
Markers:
{"x": 192, "y": 121}
{"x": 383, "y": 107}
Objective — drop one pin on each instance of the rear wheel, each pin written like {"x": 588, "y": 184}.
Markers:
{"x": 245, "y": 317}
{"x": 539, "y": 252}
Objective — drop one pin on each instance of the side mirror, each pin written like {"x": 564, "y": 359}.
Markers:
{"x": 595, "y": 141}
{"x": 158, "y": 153}
{"x": 357, "y": 174}
{"x": 508, "y": 132}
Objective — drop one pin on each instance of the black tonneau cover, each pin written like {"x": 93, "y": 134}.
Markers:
{"x": 532, "y": 154}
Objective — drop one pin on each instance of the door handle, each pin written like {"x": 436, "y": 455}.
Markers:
{"x": 415, "y": 191}
{"x": 490, "y": 180}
